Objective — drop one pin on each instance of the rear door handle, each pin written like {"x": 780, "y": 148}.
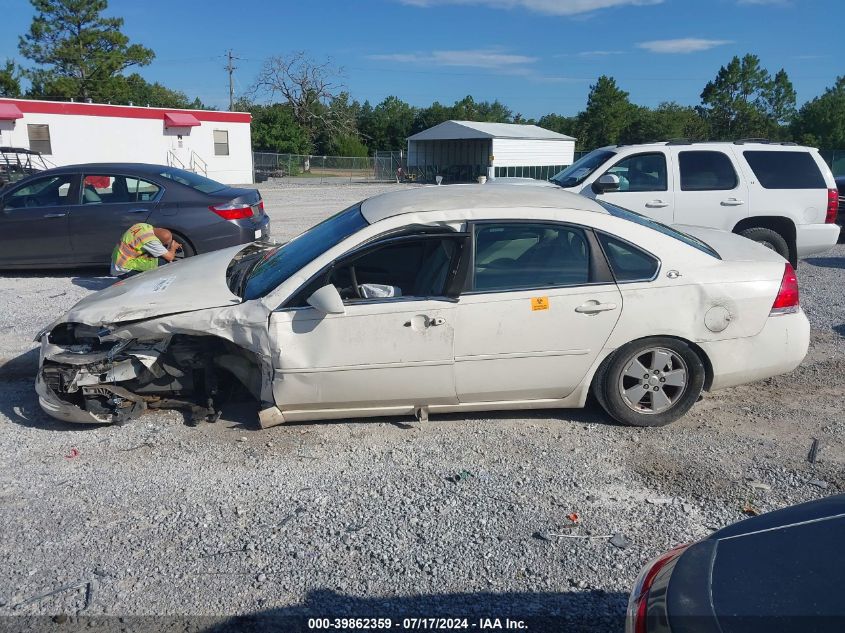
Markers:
{"x": 656, "y": 204}
{"x": 137, "y": 211}
{"x": 55, "y": 215}
{"x": 732, "y": 202}
{"x": 591, "y": 307}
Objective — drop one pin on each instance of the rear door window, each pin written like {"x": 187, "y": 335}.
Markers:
{"x": 107, "y": 189}
{"x": 517, "y": 255}
{"x": 706, "y": 171}
{"x": 785, "y": 170}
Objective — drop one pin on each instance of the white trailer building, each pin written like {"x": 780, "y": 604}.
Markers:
{"x": 460, "y": 151}
{"x": 214, "y": 144}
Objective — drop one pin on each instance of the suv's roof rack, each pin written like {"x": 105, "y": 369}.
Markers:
{"x": 679, "y": 141}
{"x": 743, "y": 141}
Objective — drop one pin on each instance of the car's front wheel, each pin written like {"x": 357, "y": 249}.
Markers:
{"x": 650, "y": 382}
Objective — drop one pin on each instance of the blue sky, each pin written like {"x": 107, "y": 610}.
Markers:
{"x": 536, "y": 56}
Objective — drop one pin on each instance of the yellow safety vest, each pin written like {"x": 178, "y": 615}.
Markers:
{"x": 129, "y": 253}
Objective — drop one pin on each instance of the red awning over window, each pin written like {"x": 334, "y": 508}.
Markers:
{"x": 10, "y": 112}
{"x": 180, "y": 119}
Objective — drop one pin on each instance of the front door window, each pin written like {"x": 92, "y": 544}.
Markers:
{"x": 52, "y": 191}
{"x": 641, "y": 172}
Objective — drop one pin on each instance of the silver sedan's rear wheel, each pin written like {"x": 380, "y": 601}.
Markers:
{"x": 651, "y": 382}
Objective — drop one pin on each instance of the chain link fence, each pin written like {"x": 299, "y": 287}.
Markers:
{"x": 326, "y": 169}
{"x": 836, "y": 159}
{"x": 392, "y": 166}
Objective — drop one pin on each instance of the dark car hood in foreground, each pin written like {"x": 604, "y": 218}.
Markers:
{"x": 782, "y": 571}
{"x": 195, "y": 283}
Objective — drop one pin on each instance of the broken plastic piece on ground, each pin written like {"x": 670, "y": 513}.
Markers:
{"x": 814, "y": 451}
{"x": 464, "y": 474}
{"x": 74, "y": 452}
{"x": 619, "y": 541}
{"x": 749, "y": 509}
{"x": 574, "y": 518}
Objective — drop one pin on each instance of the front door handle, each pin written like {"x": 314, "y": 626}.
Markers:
{"x": 422, "y": 321}
{"x": 591, "y": 307}
{"x": 656, "y": 204}
{"x": 732, "y": 202}
{"x": 55, "y": 215}
{"x": 137, "y": 211}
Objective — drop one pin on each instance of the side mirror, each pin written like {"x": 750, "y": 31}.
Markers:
{"x": 607, "y": 182}
{"x": 327, "y": 300}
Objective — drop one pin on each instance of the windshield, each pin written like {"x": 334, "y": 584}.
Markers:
{"x": 192, "y": 180}
{"x": 633, "y": 216}
{"x": 580, "y": 170}
{"x": 280, "y": 263}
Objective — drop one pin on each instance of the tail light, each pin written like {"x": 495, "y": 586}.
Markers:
{"x": 233, "y": 211}
{"x": 638, "y": 603}
{"x": 832, "y": 206}
{"x": 787, "y": 300}
{"x": 261, "y": 207}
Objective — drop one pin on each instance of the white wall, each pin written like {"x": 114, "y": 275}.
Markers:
{"x": 512, "y": 152}
{"x": 102, "y": 139}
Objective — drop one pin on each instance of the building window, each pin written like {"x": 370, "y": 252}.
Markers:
{"x": 39, "y": 138}
{"x": 221, "y": 143}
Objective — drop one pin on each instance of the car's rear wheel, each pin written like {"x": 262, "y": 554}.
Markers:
{"x": 768, "y": 238}
{"x": 187, "y": 250}
{"x": 650, "y": 382}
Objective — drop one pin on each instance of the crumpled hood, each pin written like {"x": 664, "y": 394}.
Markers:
{"x": 191, "y": 284}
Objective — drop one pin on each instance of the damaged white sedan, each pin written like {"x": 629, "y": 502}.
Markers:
{"x": 436, "y": 299}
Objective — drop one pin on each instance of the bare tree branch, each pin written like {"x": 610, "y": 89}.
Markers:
{"x": 308, "y": 87}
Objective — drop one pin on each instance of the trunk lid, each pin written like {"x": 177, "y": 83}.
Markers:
{"x": 730, "y": 246}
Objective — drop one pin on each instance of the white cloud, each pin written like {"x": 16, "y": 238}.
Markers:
{"x": 682, "y": 45}
{"x": 493, "y": 60}
{"x": 478, "y": 58}
{"x": 599, "y": 53}
{"x": 549, "y": 7}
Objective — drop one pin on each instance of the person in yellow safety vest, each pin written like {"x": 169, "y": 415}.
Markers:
{"x": 140, "y": 249}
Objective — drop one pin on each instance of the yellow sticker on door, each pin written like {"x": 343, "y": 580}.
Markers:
{"x": 539, "y": 303}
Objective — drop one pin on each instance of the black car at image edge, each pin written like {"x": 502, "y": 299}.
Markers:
{"x": 778, "y": 572}
{"x": 840, "y": 186}
{"x": 75, "y": 215}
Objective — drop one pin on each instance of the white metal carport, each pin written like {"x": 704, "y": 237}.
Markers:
{"x": 460, "y": 151}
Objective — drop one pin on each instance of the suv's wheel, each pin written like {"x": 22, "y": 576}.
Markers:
{"x": 650, "y": 382}
{"x": 768, "y": 238}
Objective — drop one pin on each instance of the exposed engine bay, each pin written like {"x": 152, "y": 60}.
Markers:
{"x": 112, "y": 380}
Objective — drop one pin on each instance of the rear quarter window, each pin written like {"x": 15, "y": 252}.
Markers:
{"x": 785, "y": 170}
{"x": 628, "y": 262}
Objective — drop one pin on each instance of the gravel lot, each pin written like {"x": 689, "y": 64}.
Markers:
{"x": 462, "y": 514}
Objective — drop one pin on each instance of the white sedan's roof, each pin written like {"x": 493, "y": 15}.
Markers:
{"x": 449, "y": 197}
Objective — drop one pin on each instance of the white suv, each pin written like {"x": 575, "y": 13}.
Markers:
{"x": 779, "y": 194}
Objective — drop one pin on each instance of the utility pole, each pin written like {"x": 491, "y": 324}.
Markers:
{"x": 231, "y": 70}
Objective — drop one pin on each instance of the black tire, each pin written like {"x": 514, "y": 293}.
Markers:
{"x": 768, "y": 238}
{"x": 614, "y": 380}
{"x": 187, "y": 250}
